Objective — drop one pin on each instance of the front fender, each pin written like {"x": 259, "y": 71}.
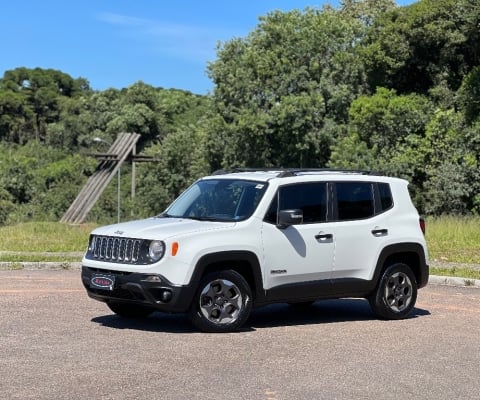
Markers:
{"x": 244, "y": 262}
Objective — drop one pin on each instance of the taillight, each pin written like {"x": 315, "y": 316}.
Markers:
{"x": 422, "y": 225}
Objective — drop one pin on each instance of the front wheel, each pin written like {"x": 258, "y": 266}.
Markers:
{"x": 222, "y": 303}
{"x": 396, "y": 293}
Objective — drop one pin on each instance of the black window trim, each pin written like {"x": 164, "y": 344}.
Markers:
{"x": 332, "y": 208}
{"x": 377, "y": 203}
{"x": 335, "y": 201}
{"x": 329, "y": 203}
{"x": 378, "y": 198}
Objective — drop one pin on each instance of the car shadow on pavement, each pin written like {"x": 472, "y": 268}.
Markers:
{"x": 320, "y": 312}
{"x": 157, "y": 322}
{"x": 274, "y": 315}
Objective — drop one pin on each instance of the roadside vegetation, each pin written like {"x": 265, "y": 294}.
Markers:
{"x": 454, "y": 239}
{"x": 368, "y": 85}
{"x": 43, "y": 242}
{"x": 460, "y": 272}
{"x": 454, "y": 244}
{"x": 44, "y": 237}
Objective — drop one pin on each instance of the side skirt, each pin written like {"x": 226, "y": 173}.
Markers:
{"x": 325, "y": 289}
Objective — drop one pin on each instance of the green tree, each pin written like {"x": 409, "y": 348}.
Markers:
{"x": 37, "y": 93}
{"x": 451, "y": 165}
{"x": 179, "y": 162}
{"x": 385, "y": 119}
{"x": 17, "y": 176}
{"x": 366, "y": 11}
{"x": 417, "y": 47}
{"x": 469, "y": 95}
{"x": 276, "y": 88}
{"x": 7, "y": 206}
{"x": 16, "y": 117}
{"x": 386, "y": 134}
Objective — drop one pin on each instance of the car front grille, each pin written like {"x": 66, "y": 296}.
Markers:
{"x": 115, "y": 249}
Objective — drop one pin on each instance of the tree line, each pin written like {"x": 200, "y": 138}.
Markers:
{"x": 367, "y": 85}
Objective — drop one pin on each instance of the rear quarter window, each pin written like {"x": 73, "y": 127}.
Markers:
{"x": 386, "y": 199}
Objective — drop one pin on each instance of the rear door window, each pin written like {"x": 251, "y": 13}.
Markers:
{"x": 355, "y": 200}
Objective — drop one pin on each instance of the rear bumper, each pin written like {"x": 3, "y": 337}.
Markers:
{"x": 151, "y": 290}
{"x": 424, "y": 275}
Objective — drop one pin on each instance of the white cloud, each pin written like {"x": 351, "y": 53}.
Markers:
{"x": 190, "y": 42}
{"x": 117, "y": 19}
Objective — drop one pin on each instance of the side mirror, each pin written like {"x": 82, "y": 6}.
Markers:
{"x": 289, "y": 217}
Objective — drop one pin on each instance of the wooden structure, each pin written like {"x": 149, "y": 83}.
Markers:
{"x": 123, "y": 149}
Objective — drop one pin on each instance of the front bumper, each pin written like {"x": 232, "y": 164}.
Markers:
{"x": 150, "y": 290}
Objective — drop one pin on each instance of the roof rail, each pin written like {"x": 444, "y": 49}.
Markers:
{"x": 220, "y": 172}
{"x": 286, "y": 172}
{"x": 296, "y": 171}
{"x": 245, "y": 169}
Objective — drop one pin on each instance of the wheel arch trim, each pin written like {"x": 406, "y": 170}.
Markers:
{"x": 244, "y": 262}
{"x": 406, "y": 253}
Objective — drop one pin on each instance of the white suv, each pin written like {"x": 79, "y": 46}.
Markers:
{"x": 233, "y": 241}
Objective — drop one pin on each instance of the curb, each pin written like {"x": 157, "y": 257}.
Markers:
{"x": 453, "y": 281}
{"x": 35, "y": 266}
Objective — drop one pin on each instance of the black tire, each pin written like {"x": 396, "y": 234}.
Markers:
{"x": 396, "y": 293}
{"x": 128, "y": 310}
{"x": 222, "y": 303}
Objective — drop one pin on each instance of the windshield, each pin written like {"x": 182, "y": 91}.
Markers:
{"x": 218, "y": 200}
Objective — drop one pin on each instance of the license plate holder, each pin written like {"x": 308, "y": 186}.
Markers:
{"x": 102, "y": 281}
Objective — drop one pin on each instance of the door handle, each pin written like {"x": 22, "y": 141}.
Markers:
{"x": 324, "y": 236}
{"x": 380, "y": 232}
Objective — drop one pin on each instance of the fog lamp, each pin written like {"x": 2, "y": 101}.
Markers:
{"x": 152, "y": 278}
{"x": 166, "y": 296}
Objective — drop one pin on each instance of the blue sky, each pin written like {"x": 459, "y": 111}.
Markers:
{"x": 115, "y": 43}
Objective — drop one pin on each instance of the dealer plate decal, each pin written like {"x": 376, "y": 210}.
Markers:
{"x": 105, "y": 282}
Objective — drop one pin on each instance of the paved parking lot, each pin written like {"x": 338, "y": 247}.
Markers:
{"x": 56, "y": 343}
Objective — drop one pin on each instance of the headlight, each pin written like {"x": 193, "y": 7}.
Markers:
{"x": 156, "y": 250}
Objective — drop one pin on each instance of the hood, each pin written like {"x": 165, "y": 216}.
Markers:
{"x": 160, "y": 228}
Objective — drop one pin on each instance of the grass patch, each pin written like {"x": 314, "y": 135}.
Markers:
{"x": 15, "y": 267}
{"x": 467, "y": 273}
{"x": 449, "y": 239}
{"x": 38, "y": 258}
{"x": 45, "y": 237}
{"x": 454, "y": 239}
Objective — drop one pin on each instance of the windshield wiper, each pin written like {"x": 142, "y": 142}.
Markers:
{"x": 206, "y": 218}
{"x": 165, "y": 215}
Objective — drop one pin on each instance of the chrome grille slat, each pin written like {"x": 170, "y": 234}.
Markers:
{"x": 114, "y": 249}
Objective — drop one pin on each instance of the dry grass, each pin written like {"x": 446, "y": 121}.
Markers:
{"x": 454, "y": 239}
{"x": 41, "y": 237}
{"x": 451, "y": 240}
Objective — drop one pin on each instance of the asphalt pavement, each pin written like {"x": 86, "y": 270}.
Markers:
{"x": 56, "y": 343}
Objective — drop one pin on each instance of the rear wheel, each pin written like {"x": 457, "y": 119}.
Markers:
{"x": 222, "y": 303}
{"x": 396, "y": 293}
{"x": 128, "y": 310}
